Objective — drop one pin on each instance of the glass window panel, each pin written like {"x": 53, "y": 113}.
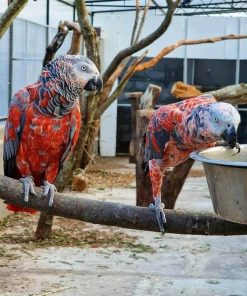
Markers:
{"x": 243, "y": 71}
{"x": 214, "y": 74}
{"x": 19, "y": 39}
{"x": 36, "y": 40}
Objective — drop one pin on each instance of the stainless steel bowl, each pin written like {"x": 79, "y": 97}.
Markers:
{"x": 226, "y": 173}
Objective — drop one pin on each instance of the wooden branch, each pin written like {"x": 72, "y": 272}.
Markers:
{"x": 172, "y": 5}
{"x": 7, "y": 18}
{"x": 144, "y": 15}
{"x": 110, "y": 82}
{"x": 130, "y": 71}
{"x": 115, "y": 214}
{"x": 233, "y": 94}
{"x": 134, "y": 38}
{"x": 88, "y": 32}
{"x": 56, "y": 43}
{"x": 135, "y": 22}
{"x": 165, "y": 51}
{"x": 75, "y": 46}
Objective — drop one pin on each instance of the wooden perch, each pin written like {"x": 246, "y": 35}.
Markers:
{"x": 234, "y": 94}
{"x": 115, "y": 214}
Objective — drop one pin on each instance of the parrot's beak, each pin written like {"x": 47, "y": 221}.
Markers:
{"x": 230, "y": 136}
{"x": 94, "y": 84}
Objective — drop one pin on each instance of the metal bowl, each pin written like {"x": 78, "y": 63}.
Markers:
{"x": 226, "y": 173}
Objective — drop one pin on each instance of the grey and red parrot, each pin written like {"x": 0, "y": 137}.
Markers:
{"x": 178, "y": 129}
{"x": 43, "y": 123}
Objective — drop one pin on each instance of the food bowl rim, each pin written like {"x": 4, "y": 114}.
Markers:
{"x": 197, "y": 156}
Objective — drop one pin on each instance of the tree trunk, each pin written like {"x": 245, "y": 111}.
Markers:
{"x": 173, "y": 183}
{"x": 44, "y": 227}
{"x": 115, "y": 214}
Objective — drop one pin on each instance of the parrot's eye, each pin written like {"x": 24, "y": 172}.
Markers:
{"x": 84, "y": 68}
{"x": 229, "y": 125}
{"x": 216, "y": 119}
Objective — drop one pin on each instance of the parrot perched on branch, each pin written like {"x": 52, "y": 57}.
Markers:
{"x": 178, "y": 129}
{"x": 44, "y": 122}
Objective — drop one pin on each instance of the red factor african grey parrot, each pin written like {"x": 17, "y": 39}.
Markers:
{"x": 176, "y": 130}
{"x": 43, "y": 124}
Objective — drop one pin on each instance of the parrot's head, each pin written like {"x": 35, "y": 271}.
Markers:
{"x": 71, "y": 75}
{"x": 221, "y": 122}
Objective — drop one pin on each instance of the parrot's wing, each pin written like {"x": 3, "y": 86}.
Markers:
{"x": 75, "y": 124}
{"x": 13, "y": 130}
{"x": 156, "y": 139}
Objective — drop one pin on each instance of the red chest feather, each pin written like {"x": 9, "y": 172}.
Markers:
{"x": 44, "y": 139}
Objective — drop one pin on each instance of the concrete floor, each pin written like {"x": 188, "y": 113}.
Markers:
{"x": 181, "y": 265}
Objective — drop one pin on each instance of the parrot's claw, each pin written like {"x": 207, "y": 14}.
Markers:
{"x": 160, "y": 215}
{"x": 28, "y": 187}
{"x": 49, "y": 189}
{"x": 237, "y": 146}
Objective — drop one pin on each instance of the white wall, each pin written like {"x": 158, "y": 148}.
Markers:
{"x": 116, "y": 33}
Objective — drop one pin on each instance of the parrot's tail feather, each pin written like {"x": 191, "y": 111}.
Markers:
{"x": 15, "y": 208}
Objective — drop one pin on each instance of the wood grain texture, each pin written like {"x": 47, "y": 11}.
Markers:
{"x": 116, "y": 214}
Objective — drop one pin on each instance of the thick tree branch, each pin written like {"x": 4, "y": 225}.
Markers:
{"x": 88, "y": 32}
{"x": 76, "y": 37}
{"x": 172, "y": 5}
{"x": 56, "y": 43}
{"x": 234, "y": 94}
{"x": 115, "y": 214}
{"x": 10, "y": 14}
{"x": 165, "y": 51}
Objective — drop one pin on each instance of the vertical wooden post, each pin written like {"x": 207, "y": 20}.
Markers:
{"x": 149, "y": 99}
{"x": 143, "y": 183}
{"x": 135, "y": 101}
{"x": 173, "y": 183}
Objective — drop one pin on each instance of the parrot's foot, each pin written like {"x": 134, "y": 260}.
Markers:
{"x": 28, "y": 187}
{"x": 158, "y": 208}
{"x": 49, "y": 189}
